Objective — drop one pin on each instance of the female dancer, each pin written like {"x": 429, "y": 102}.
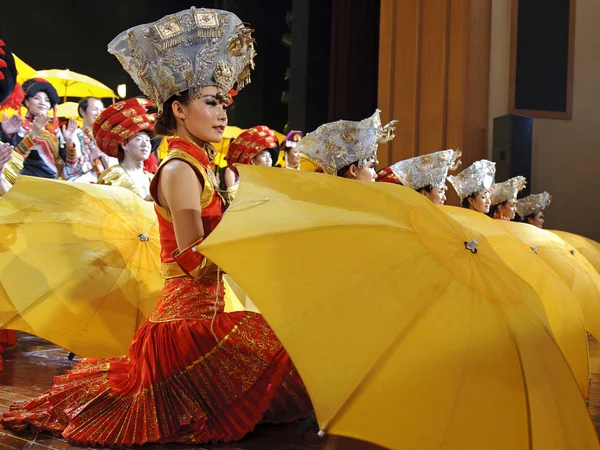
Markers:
{"x": 425, "y": 174}
{"x": 194, "y": 374}
{"x": 473, "y": 185}
{"x": 531, "y": 208}
{"x": 504, "y": 198}
{"x": 347, "y": 149}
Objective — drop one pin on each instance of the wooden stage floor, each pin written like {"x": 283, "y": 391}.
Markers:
{"x": 30, "y": 367}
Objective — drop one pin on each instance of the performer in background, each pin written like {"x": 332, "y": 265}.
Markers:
{"x": 124, "y": 131}
{"x": 531, "y": 208}
{"x": 473, "y": 185}
{"x": 347, "y": 149}
{"x": 425, "y": 174}
{"x": 504, "y": 198}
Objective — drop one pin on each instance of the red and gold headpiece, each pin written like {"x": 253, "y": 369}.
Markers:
{"x": 120, "y": 121}
{"x": 250, "y": 143}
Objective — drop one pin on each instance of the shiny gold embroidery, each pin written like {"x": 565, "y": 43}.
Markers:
{"x": 427, "y": 170}
{"x": 116, "y": 176}
{"x": 186, "y": 298}
{"x": 207, "y": 23}
{"x": 335, "y": 145}
{"x": 201, "y": 36}
{"x": 223, "y": 73}
{"x": 169, "y": 29}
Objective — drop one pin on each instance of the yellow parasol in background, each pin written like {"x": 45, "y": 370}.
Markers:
{"x": 68, "y": 109}
{"x": 412, "y": 333}
{"x": 562, "y": 309}
{"x": 80, "y": 264}
{"x": 589, "y": 248}
{"x": 73, "y": 84}
{"x": 569, "y": 265}
{"x": 24, "y": 70}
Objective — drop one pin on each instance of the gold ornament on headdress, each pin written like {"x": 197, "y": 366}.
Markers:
{"x": 533, "y": 204}
{"x": 427, "y": 170}
{"x": 187, "y": 51}
{"x": 335, "y": 145}
{"x": 478, "y": 177}
{"x": 507, "y": 190}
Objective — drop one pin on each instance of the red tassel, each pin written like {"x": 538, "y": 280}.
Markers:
{"x": 232, "y": 93}
{"x": 151, "y": 164}
{"x": 55, "y": 120}
{"x": 14, "y": 99}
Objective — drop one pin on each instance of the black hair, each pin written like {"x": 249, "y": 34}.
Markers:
{"x": 166, "y": 124}
{"x": 344, "y": 170}
{"x": 84, "y": 103}
{"x": 530, "y": 216}
{"x": 465, "y": 201}
{"x": 32, "y": 86}
{"x": 427, "y": 189}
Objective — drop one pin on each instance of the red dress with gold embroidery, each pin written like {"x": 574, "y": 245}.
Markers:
{"x": 180, "y": 382}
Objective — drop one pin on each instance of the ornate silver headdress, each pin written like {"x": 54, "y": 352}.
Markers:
{"x": 187, "y": 50}
{"x": 427, "y": 170}
{"x": 533, "y": 204}
{"x": 479, "y": 176}
{"x": 335, "y": 145}
{"x": 507, "y": 190}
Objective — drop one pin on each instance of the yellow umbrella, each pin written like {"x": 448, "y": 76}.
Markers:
{"x": 569, "y": 265}
{"x": 562, "y": 309}
{"x": 68, "y": 109}
{"x": 24, "y": 70}
{"x": 73, "y": 84}
{"x": 412, "y": 333}
{"x": 80, "y": 264}
{"x": 589, "y": 248}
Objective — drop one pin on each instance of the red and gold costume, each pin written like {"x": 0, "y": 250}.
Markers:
{"x": 179, "y": 382}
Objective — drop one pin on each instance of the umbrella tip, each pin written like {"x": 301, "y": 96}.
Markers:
{"x": 472, "y": 245}
{"x": 535, "y": 250}
{"x": 143, "y": 237}
{"x": 321, "y": 433}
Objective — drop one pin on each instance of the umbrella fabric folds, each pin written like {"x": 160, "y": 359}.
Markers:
{"x": 562, "y": 309}
{"x": 412, "y": 332}
{"x": 587, "y": 247}
{"x": 79, "y": 264}
{"x": 572, "y": 267}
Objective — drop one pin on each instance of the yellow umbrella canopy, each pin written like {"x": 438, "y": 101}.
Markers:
{"x": 569, "y": 265}
{"x": 24, "y": 70}
{"x": 73, "y": 84}
{"x": 589, "y": 248}
{"x": 79, "y": 264}
{"x": 68, "y": 109}
{"x": 412, "y": 332}
{"x": 562, "y": 309}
